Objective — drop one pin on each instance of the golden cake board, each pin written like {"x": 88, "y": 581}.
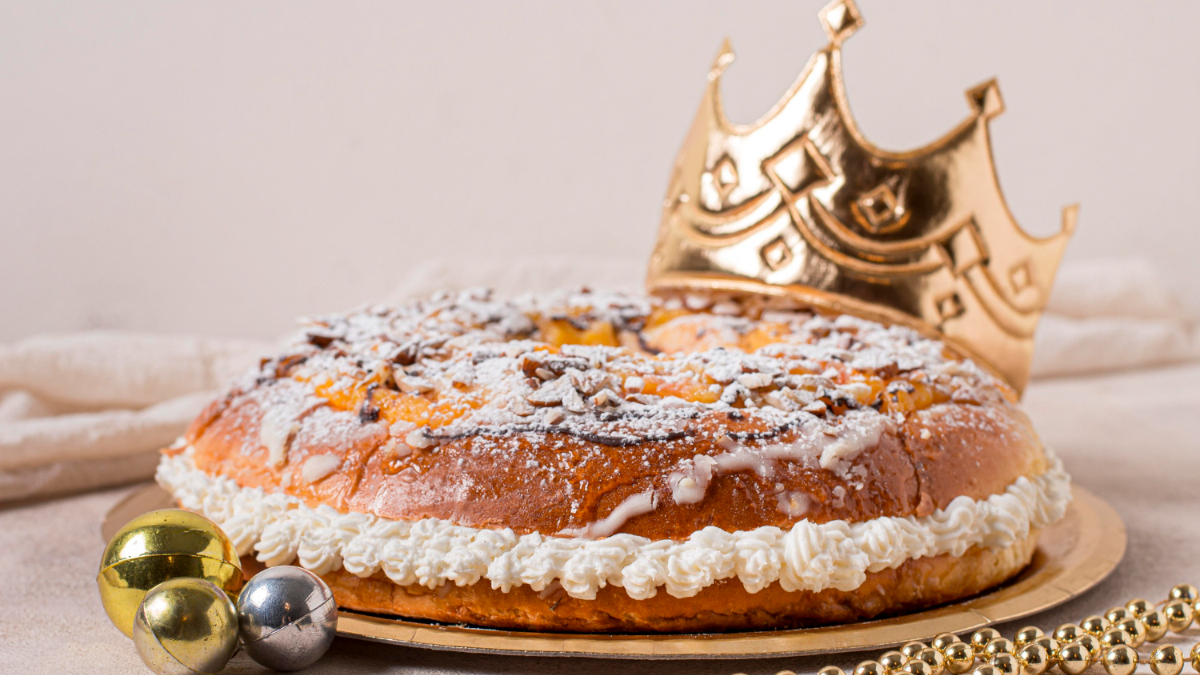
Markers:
{"x": 1072, "y": 556}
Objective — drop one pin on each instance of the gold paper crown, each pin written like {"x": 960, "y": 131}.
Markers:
{"x": 799, "y": 204}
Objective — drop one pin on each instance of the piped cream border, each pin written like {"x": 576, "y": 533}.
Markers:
{"x": 809, "y": 556}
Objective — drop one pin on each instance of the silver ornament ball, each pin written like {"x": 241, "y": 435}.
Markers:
{"x": 287, "y": 618}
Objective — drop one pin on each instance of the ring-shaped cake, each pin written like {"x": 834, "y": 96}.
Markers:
{"x": 584, "y": 461}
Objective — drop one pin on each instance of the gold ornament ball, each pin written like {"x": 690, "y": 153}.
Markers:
{"x": 1092, "y": 644}
{"x": 960, "y": 656}
{"x": 1096, "y": 625}
{"x": 184, "y": 627}
{"x": 911, "y": 649}
{"x": 1049, "y": 644}
{"x": 1114, "y": 637}
{"x": 916, "y": 667}
{"x": 1155, "y": 623}
{"x": 987, "y": 669}
{"x": 943, "y": 641}
{"x": 1068, "y": 632}
{"x": 1195, "y": 657}
{"x": 831, "y": 670}
{"x": 1179, "y": 615}
{"x": 162, "y": 545}
{"x": 1136, "y": 630}
{"x": 1027, "y": 635}
{"x": 1117, "y": 614}
{"x": 1034, "y": 659}
{"x": 981, "y": 638}
{"x": 892, "y": 661}
{"x": 869, "y": 668}
{"x": 1185, "y": 592}
{"x": 1073, "y": 659}
{"x": 996, "y": 647}
{"x": 1006, "y": 663}
{"x": 934, "y": 659}
{"x": 1120, "y": 660}
{"x": 1167, "y": 660}
{"x": 1139, "y": 606}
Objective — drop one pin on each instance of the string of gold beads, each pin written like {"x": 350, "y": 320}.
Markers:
{"x": 1112, "y": 640}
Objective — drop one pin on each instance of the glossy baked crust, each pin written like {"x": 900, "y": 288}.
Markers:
{"x": 408, "y": 436}
{"x": 972, "y": 450}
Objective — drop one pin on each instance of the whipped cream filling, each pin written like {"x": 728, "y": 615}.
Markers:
{"x": 281, "y": 529}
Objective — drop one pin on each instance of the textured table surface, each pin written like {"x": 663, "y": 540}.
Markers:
{"x": 1133, "y": 438}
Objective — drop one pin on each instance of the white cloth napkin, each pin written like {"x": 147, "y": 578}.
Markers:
{"x": 92, "y": 409}
{"x": 1112, "y": 314}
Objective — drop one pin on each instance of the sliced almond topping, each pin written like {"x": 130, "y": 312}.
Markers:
{"x": 520, "y": 407}
{"x": 606, "y": 397}
{"x": 572, "y": 401}
{"x": 551, "y": 393}
{"x": 754, "y": 380}
{"x": 413, "y": 385}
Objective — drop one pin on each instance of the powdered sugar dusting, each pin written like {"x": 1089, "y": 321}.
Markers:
{"x": 613, "y": 369}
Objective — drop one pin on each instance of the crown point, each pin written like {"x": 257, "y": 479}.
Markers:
{"x": 985, "y": 99}
{"x": 1070, "y": 214}
{"x": 840, "y": 19}
{"x": 725, "y": 56}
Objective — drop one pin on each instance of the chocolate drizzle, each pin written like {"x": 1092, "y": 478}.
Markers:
{"x": 613, "y": 440}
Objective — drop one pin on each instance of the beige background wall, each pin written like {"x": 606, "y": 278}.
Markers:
{"x": 219, "y": 168}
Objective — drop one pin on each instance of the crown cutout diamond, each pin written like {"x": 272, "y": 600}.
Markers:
{"x": 725, "y": 177}
{"x": 949, "y": 307}
{"x": 798, "y": 167}
{"x": 801, "y": 204}
{"x": 777, "y": 254}
{"x": 840, "y": 20}
{"x": 879, "y": 211}
{"x": 1021, "y": 276}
